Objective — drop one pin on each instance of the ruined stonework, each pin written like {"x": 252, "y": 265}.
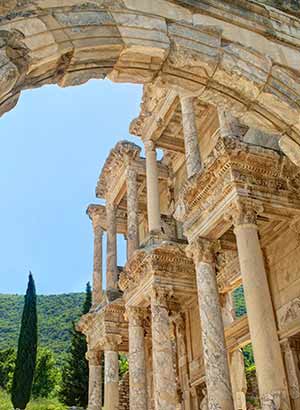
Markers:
{"x": 219, "y": 210}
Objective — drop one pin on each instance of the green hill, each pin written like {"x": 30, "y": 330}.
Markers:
{"x": 55, "y": 315}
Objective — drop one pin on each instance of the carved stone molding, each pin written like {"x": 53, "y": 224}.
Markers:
{"x": 288, "y": 313}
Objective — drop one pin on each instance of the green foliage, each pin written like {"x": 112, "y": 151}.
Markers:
{"x": 27, "y": 350}
{"x": 249, "y": 358}
{"x": 123, "y": 364}
{"x": 40, "y": 404}
{"x": 7, "y": 366}
{"x": 46, "y": 375}
{"x": 55, "y": 314}
{"x": 239, "y": 302}
{"x": 74, "y": 390}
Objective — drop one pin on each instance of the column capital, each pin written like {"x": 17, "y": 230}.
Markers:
{"x": 94, "y": 357}
{"x": 110, "y": 342}
{"x": 244, "y": 213}
{"x": 149, "y": 145}
{"x": 202, "y": 250}
{"x": 160, "y": 296}
{"x": 135, "y": 315}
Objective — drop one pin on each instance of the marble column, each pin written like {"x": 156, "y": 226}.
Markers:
{"x": 111, "y": 374}
{"x": 229, "y": 125}
{"x": 111, "y": 249}
{"x": 95, "y": 380}
{"x": 190, "y": 133}
{"x": 270, "y": 372}
{"x": 238, "y": 379}
{"x": 213, "y": 340}
{"x": 97, "y": 273}
{"x": 132, "y": 212}
{"x": 164, "y": 378}
{"x": 137, "y": 363}
{"x": 153, "y": 198}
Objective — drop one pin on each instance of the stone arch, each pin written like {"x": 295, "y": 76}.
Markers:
{"x": 243, "y": 57}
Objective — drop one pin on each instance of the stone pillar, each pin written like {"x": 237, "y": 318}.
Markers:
{"x": 111, "y": 373}
{"x": 291, "y": 349}
{"x": 190, "y": 133}
{"x": 95, "y": 380}
{"x": 238, "y": 379}
{"x": 270, "y": 372}
{"x": 132, "y": 212}
{"x": 137, "y": 364}
{"x": 213, "y": 340}
{"x": 153, "y": 204}
{"x": 164, "y": 378}
{"x": 111, "y": 251}
{"x": 97, "y": 273}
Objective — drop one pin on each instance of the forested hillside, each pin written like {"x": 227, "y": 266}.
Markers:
{"x": 55, "y": 315}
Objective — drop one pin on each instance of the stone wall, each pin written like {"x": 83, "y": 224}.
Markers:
{"x": 124, "y": 392}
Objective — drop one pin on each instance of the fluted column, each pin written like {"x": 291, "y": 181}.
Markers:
{"x": 213, "y": 340}
{"x": 190, "y": 133}
{"x": 97, "y": 271}
{"x": 111, "y": 373}
{"x": 137, "y": 364}
{"x": 132, "y": 212}
{"x": 153, "y": 205}
{"x": 164, "y": 378}
{"x": 111, "y": 249}
{"x": 95, "y": 380}
{"x": 270, "y": 372}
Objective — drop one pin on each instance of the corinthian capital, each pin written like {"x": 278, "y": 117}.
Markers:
{"x": 135, "y": 315}
{"x": 110, "y": 342}
{"x": 202, "y": 250}
{"x": 245, "y": 212}
{"x": 94, "y": 357}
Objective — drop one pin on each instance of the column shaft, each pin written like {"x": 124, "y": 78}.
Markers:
{"x": 153, "y": 205}
{"x": 97, "y": 274}
{"x": 137, "y": 364}
{"x": 190, "y": 133}
{"x": 111, "y": 257}
{"x": 111, "y": 390}
{"x": 213, "y": 340}
{"x": 95, "y": 381}
{"x": 132, "y": 212}
{"x": 164, "y": 378}
{"x": 267, "y": 354}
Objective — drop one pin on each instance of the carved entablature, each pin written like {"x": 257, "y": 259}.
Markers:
{"x": 107, "y": 319}
{"x": 236, "y": 171}
{"x": 165, "y": 264}
{"x": 97, "y": 212}
{"x": 123, "y": 153}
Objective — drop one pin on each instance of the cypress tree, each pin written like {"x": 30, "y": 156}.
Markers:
{"x": 27, "y": 350}
{"x": 75, "y": 374}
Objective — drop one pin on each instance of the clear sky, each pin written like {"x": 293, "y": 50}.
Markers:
{"x": 53, "y": 145}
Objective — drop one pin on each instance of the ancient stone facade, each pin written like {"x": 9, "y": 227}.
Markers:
{"x": 221, "y": 208}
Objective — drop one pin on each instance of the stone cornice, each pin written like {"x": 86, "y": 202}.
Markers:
{"x": 237, "y": 170}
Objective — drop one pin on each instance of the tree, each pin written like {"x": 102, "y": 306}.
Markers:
{"x": 46, "y": 374}
{"x": 75, "y": 374}
{"x": 7, "y": 365}
{"x": 27, "y": 350}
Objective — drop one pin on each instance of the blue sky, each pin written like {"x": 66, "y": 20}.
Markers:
{"x": 53, "y": 145}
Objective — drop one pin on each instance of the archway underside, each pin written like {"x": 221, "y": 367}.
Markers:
{"x": 244, "y": 57}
